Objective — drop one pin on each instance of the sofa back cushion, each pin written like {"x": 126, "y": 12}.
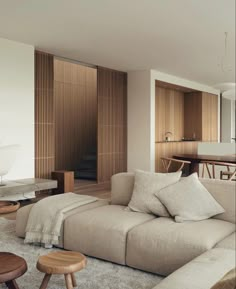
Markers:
{"x": 122, "y": 186}
{"x": 224, "y": 193}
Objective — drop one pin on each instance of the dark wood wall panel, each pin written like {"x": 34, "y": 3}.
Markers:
{"x": 193, "y": 115}
{"x": 75, "y": 96}
{"x": 44, "y": 116}
{"x": 112, "y": 123}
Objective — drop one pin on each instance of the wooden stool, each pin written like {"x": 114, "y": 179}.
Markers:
{"x": 61, "y": 262}
{"x": 11, "y": 267}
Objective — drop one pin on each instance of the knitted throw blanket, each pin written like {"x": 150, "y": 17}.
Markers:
{"x": 46, "y": 217}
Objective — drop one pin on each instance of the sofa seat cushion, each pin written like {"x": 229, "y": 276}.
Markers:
{"x": 23, "y": 215}
{"x": 202, "y": 272}
{"x": 162, "y": 246}
{"x": 228, "y": 243}
{"x": 102, "y": 232}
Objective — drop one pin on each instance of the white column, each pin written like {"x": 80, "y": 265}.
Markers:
{"x": 141, "y": 121}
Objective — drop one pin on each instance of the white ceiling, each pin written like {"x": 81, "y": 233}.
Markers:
{"x": 180, "y": 37}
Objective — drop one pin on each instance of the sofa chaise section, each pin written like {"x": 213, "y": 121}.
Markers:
{"x": 102, "y": 232}
{"x": 201, "y": 273}
{"x": 23, "y": 215}
{"x": 162, "y": 246}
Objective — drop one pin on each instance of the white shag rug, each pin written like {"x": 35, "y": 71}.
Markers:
{"x": 98, "y": 274}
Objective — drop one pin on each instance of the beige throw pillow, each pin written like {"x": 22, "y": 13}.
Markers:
{"x": 146, "y": 184}
{"x": 189, "y": 200}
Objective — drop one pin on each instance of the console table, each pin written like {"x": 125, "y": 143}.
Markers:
{"x": 26, "y": 185}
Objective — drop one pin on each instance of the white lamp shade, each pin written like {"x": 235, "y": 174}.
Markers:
{"x": 7, "y": 157}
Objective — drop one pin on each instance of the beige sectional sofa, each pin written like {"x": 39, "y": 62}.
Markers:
{"x": 182, "y": 251}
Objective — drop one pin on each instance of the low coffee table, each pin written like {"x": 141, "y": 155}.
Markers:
{"x": 11, "y": 267}
{"x": 61, "y": 262}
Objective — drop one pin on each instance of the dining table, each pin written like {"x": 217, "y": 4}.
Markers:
{"x": 196, "y": 159}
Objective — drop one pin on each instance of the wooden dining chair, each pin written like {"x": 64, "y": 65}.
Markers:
{"x": 209, "y": 166}
{"x": 167, "y": 162}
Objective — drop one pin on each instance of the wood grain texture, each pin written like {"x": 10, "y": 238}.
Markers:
{"x": 65, "y": 182}
{"x": 75, "y": 97}
{"x": 112, "y": 123}
{"x": 11, "y": 267}
{"x": 7, "y": 207}
{"x": 44, "y": 116}
{"x": 172, "y": 86}
{"x": 201, "y": 116}
{"x": 169, "y": 111}
{"x": 168, "y": 149}
{"x": 193, "y": 115}
{"x": 61, "y": 262}
{"x": 209, "y": 117}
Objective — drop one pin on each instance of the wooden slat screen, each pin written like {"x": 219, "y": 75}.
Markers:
{"x": 44, "y": 116}
{"x": 75, "y": 98}
{"x": 112, "y": 123}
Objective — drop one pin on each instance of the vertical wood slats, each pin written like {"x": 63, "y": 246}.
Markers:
{"x": 112, "y": 123}
{"x": 75, "y": 97}
{"x": 169, "y": 111}
{"x": 44, "y": 116}
{"x": 209, "y": 117}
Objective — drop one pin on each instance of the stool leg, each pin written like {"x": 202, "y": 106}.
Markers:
{"x": 68, "y": 280}
{"x": 12, "y": 284}
{"x": 73, "y": 280}
{"x": 45, "y": 281}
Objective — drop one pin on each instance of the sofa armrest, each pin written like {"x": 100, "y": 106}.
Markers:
{"x": 122, "y": 186}
{"x": 201, "y": 273}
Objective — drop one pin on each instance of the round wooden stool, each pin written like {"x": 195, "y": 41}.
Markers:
{"x": 61, "y": 262}
{"x": 11, "y": 267}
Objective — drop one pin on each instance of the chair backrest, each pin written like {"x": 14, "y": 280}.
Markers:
{"x": 167, "y": 162}
{"x": 209, "y": 166}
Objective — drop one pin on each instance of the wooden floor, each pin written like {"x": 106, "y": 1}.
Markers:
{"x": 83, "y": 187}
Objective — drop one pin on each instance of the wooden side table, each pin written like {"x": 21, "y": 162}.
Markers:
{"x": 61, "y": 262}
{"x": 65, "y": 180}
{"x": 11, "y": 267}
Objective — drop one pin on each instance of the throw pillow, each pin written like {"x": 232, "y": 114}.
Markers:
{"x": 146, "y": 184}
{"x": 189, "y": 200}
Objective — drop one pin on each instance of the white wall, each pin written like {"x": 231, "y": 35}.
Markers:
{"x": 140, "y": 120}
{"x": 233, "y": 115}
{"x": 220, "y": 149}
{"x": 141, "y": 114}
{"x": 17, "y": 104}
{"x": 226, "y": 120}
